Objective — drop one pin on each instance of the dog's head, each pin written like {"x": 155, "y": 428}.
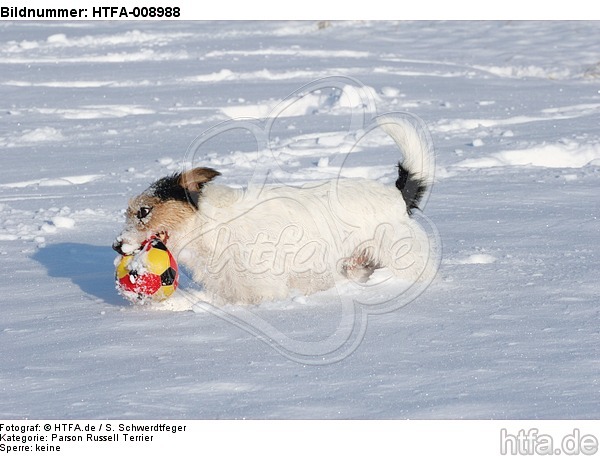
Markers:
{"x": 162, "y": 208}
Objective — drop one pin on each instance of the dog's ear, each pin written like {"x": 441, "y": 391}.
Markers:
{"x": 193, "y": 180}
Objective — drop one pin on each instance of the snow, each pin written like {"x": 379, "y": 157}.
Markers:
{"x": 565, "y": 154}
{"x": 93, "y": 112}
{"x": 476, "y": 258}
{"x": 63, "y": 222}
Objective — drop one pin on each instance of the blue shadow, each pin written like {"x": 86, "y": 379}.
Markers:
{"x": 90, "y": 267}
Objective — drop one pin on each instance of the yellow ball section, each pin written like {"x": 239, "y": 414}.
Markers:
{"x": 122, "y": 267}
{"x": 157, "y": 261}
{"x": 164, "y": 292}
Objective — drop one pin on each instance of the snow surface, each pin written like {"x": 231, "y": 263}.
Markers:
{"x": 91, "y": 113}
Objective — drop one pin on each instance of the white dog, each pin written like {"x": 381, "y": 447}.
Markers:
{"x": 262, "y": 244}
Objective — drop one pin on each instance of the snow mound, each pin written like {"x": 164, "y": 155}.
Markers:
{"x": 257, "y": 75}
{"x": 63, "y": 222}
{"x": 390, "y": 92}
{"x": 98, "y": 112}
{"x": 42, "y": 134}
{"x": 348, "y": 98}
{"x": 355, "y": 97}
{"x": 478, "y": 258}
{"x": 560, "y": 155}
{"x": 529, "y": 71}
{"x": 54, "y": 182}
{"x": 293, "y": 51}
{"x": 131, "y": 37}
{"x": 475, "y": 258}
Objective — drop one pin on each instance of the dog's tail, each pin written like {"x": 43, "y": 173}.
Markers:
{"x": 415, "y": 172}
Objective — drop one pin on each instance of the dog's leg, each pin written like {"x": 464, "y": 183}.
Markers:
{"x": 359, "y": 266}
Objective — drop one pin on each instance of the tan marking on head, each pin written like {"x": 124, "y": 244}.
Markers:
{"x": 164, "y": 215}
{"x": 169, "y": 216}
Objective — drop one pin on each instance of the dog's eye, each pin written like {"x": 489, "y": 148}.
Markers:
{"x": 143, "y": 212}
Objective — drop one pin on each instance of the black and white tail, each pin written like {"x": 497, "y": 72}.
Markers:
{"x": 415, "y": 172}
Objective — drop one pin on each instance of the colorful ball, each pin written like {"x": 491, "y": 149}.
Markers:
{"x": 149, "y": 275}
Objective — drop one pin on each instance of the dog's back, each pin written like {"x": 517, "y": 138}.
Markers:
{"x": 267, "y": 242}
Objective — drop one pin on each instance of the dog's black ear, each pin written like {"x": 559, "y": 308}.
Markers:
{"x": 193, "y": 180}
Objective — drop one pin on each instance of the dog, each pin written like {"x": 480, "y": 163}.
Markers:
{"x": 260, "y": 244}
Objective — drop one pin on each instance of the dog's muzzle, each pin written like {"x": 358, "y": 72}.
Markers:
{"x": 117, "y": 245}
{"x": 125, "y": 248}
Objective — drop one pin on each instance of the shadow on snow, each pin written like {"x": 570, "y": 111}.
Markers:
{"x": 90, "y": 267}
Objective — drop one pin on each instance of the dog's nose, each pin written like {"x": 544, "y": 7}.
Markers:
{"x": 117, "y": 247}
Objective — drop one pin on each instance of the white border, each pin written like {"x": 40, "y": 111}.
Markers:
{"x": 355, "y": 10}
{"x": 304, "y": 438}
